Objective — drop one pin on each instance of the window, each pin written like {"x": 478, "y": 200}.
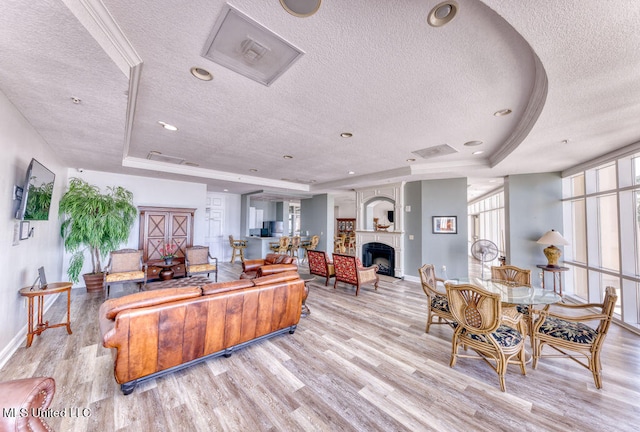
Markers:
{"x": 486, "y": 221}
{"x": 603, "y": 219}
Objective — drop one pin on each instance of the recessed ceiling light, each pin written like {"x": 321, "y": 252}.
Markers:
{"x": 473, "y": 143}
{"x": 411, "y": 160}
{"x": 565, "y": 141}
{"x": 301, "y": 8}
{"x": 442, "y": 13}
{"x": 76, "y": 100}
{"x": 201, "y": 74}
{"x": 346, "y": 134}
{"x": 502, "y": 112}
{"x": 478, "y": 152}
{"x": 167, "y": 126}
{"x": 225, "y": 190}
{"x": 253, "y": 170}
{"x": 287, "y": 157}
{"x": 351, "y": 172}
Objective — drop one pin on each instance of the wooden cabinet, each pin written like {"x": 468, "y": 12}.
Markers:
{"x": 165, "y": 225}
{"x": 345, "y": 225}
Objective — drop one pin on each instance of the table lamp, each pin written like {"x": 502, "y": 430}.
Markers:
{"x": 552, "y": 252}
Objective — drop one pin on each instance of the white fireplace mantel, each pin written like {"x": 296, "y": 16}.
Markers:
{"x": 393, "y": 193}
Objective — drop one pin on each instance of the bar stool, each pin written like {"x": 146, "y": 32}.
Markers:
{"x": 238, "y": 247}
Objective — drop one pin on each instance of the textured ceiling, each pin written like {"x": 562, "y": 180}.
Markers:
{"x": 568, "y": 70}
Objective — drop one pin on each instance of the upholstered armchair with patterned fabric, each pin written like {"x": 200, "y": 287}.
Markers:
{"x": 319, "y": 264}
{"x": 480, "y": 327}
{"x": 199, "y": 260}
{"x": 25, "y": 397}
{"x": 349, "y": 270}
{"x": 437, "y": 297}
{"x": 571, "y": 337}
{"x": 125, "y": 265}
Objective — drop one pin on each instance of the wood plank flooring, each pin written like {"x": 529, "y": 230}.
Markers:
{"x": 354, "y": 364}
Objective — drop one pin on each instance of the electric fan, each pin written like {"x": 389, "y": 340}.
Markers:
{"x": 484, "y": 251}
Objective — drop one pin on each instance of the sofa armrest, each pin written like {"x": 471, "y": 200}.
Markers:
{"x": 252, "y": 265}
{"x": 276, "y": 268}
{"x": 25, "y": 395}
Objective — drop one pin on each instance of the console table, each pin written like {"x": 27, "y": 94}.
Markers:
{"x": 38, "y": 294}
{"x": 556, "y": 273}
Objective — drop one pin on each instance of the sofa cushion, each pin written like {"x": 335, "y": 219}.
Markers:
{"x": 112, "y": 307}
{"x": 218, "y": 287}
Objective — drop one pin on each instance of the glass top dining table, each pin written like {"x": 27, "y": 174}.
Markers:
{"x": 513, "y": 293}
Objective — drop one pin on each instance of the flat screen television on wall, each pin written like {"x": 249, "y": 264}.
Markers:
{"x": 36, "y": 193}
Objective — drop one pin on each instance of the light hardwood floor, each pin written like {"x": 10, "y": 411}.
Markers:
{"x": 355, "y": 364}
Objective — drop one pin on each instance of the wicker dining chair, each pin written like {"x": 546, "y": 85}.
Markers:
{"x": 482, "y": 327}
{"x": 281, "y": 246}
{"x": 310, "y": 245}
{"x": 294, "y": 246}
{"x": 437, "y": 298}
{"x": 509, "y": 273}
{"x": 571, "y": 337}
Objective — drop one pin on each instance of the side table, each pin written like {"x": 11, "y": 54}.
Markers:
{"x": 38, "y": 294}
{"x": 306, "y": 278}
{"x": 556, "y": 273}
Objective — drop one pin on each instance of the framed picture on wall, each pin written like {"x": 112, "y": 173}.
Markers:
{"x": 445, "y": 224}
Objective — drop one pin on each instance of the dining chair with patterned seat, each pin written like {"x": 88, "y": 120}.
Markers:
{"x": 512, "y": 275}
{"x": 509, "y": 273}
{"x": 570, "y": 336}
{"x": 436, "y": 296}
{"x": 281, "y": 246}
{"x": 481, "y": 326}
{"x": 310, "y": 245}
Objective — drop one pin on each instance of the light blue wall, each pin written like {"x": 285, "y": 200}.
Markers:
{"x": 413, "y": 227}
{"x": 445, "y": 198}
{"x": 533, "y": 206}
{"x": 316, "y": 216}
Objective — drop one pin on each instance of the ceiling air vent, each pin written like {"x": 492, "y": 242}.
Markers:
{"x": 241, "y": 44}
{"x": 435, "y": 151}
{"x": 159, "y": 157}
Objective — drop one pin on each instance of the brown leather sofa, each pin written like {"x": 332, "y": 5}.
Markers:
{"x": 161, "y": 331}
{"x": 273, "y": 263}
{"x": 22, "y": 399}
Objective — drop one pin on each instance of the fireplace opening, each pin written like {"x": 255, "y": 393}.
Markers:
{"x": 380, "y": 254}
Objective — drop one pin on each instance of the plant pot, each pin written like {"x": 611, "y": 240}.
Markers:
{"x": 94, "y": 282}
{"x": 168, "y": 261}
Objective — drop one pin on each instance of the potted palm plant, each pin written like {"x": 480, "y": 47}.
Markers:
{"x": 95, "y": 222}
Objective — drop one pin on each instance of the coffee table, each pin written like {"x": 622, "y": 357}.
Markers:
{"x": 178, "y": 283}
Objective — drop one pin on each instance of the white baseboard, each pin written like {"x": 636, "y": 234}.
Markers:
{"x": 21, "y": 337}
{"x": 412, "y": 278}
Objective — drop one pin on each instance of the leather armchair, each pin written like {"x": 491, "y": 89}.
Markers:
{"x": 20, "y": 397}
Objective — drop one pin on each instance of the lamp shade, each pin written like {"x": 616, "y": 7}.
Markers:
{"x": 553, "y": 237}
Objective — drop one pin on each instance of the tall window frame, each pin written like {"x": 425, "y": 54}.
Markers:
{"x": 602, "y": 224}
